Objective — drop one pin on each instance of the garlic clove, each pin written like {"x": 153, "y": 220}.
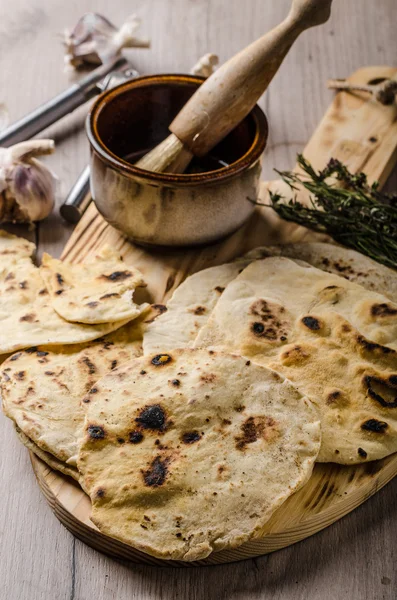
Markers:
{"x": 95, "y": 40}
{"x": 206, "y": 65}
{"x": 27, "y": 186}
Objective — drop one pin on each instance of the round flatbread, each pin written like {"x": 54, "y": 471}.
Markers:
{"x": 338, "y": 260}
{"x": 98, "y": 291}
{"x": 335, "y": 340}
{"x": 191, "y": 451}
{"x": 42, "y": 388}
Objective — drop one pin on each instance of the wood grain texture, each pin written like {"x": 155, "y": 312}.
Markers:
{"x": 355, "y": 558}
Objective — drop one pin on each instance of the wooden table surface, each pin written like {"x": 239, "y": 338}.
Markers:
{"x": 355, "y": 558}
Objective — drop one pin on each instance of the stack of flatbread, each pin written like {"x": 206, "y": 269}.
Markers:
{"x": 190, "y": 426}
{"x": 70, "y": 324}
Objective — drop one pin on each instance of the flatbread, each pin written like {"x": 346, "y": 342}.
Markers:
{"x": 190, "y": 452}
{"x": 42, "y": 388}
{"x": 49, "y": 459}
{"x": 189, "y": 308}
{"x": 338, "y": 260}
{"x": 333, "y": 339}
{"x": 26, "y": 315}
{"x": 14, "y": 247}
{"x": 192, "y": 302}
{"x": 98, "y": 291}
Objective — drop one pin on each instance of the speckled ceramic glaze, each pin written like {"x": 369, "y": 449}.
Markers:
{"x": 165, "y": 209}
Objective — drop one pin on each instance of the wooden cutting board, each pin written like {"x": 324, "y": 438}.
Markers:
{"x": 363, "y": 134}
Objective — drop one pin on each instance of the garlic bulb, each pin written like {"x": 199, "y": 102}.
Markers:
{"x": 95, "y": 40}
{"x": 27, "y": 186}
{"x": 206, "y": 65}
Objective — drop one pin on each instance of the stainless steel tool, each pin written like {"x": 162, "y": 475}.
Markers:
{"x": 79, "y": 197}
{"x": 61, "y": 105}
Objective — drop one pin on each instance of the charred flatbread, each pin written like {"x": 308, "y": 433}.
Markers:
{"x": 191, "y": 451}
{"x": 335, "y": 340}
{"x": 98, "y": 291}
{"x": 42, "y": 388}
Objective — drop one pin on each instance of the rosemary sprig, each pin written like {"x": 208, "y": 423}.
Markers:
{"x": 353, "y": 212}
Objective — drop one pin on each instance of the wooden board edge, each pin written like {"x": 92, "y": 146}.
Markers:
{"x": 269, "y": 543}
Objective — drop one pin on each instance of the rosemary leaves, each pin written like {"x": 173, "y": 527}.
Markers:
{"x": 350, "y": 210}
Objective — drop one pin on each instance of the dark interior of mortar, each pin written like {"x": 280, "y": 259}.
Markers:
{"x": 135, "y": 121}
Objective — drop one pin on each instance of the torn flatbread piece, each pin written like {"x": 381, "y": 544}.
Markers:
{"x": 98, "y": 291}
{"x": 42, "y": 387}
{"x": 27, "y": 317}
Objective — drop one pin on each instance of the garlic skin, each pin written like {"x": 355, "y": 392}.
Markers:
{"x": 27, "y": 186}
{"x": 95, "y": 40}
{"x": 206, "y": 65}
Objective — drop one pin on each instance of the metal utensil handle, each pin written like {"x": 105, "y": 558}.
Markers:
{"x": 78, "y": 199}
{"x": 59, "y": 106}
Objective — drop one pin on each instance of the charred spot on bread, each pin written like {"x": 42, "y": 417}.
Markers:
{"x": 152, "y": 417}
{"x": 378, "y": 388}
{"x": 254, "y": 428}
{"x": 89, "y": 364}
{"x": 96, "y": 432}
{"x": 362, "y": 453}
{"x": 159, "y": 310}
{"x": 161, "y": 359}
{"x": 135, "y": 437}
{"x": 117, "y": 276}
{"x": 311, "y": 323}
{"x": 258, "y": 328}
{"x": 383, "y": 310}
{"x": 92, "y": 304}
{"x": 270, "y": 322}
{"x": 375, "y": 426}
{"x": 372, "y": 346}
{"x": 29, "y": 318}
{"x": 156, "y": 474}
{"x": 112, "y": 295}
{"x": 190, "y": 437}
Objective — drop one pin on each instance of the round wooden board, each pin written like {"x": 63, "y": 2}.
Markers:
{"x": 332, "y": 492}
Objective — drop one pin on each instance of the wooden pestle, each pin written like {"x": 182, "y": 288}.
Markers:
{"x": 230, "y": 93}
